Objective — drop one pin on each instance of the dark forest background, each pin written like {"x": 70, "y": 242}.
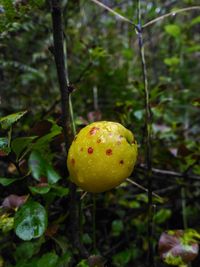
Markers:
{"x": 103, "y": 62}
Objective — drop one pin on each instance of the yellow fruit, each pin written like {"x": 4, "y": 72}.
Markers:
{"x": 101, "y": 156}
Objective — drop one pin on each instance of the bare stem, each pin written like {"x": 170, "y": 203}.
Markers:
{"x": 173, "y": 13}
{"x": 143, "y": 188}
{"x": 113, "y": 12}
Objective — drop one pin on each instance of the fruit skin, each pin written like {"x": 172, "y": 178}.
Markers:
{"x": 102, "y": 156}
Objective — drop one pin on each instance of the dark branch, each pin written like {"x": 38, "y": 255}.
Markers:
{"x": 65, "y": 94}
{"x": 60, "y": 66}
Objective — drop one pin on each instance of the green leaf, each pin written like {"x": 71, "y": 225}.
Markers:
{"x": 6, "y": 223}
{"x": 40, "y": 190}
{"x": 172, "y": 61}
{"x": 4, "y": 146}
{"x": 7, "y": 121}
{"x": 19, "y": 144}
{"x": 117, "y": 227}
{"x": 27, "y": 249}
{"x": 162, "y": 215}
{"x": 59, "y": 191}
{"x": 7, "y": 181}
{"x": 49, "y": 260}
{"x": 193, "y": 48}
{"x": 9, "y": 9}
{"x": 30, "y": 221}
{"x": 87, "y": 239}
{"x": 37, "y": 165}
{"x": 52, "y": 175}
{"x": 173, "y": 30}
{"x": 56, "y": 130}
{"x": 195, "y": 21}
{"x": 82, "y": 263}
{"x": 40, "y": 167}
{"x": 122, "y": 258}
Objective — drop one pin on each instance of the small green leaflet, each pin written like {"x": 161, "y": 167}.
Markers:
{"x": 7, "y": 121}
{"x": 7, "y": 181}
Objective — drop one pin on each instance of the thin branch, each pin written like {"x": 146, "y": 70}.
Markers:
{"x": 142, "y": 188}
{"x": 148, "y": 126}
{"x": 113, "y": 12}
{"x": 170, "y": 173}
{"x": 172, "y": 13}
{"x": 83, "y": 195}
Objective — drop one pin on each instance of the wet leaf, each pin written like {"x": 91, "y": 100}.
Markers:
{"x": 30, "y": 221}
{"x": 40, "y": 167}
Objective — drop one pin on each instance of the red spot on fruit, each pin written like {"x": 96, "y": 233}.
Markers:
{"x": 121, "y": 162}
{"x": 90, "y": 150}
{"x": 98, "y": 141}
{"x": 72, "y": 161}
{"x": 93, "y": 130}
{"x": 109, "y": 152}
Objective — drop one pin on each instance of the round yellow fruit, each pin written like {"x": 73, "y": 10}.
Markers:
{"x": 102, "y": 156}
